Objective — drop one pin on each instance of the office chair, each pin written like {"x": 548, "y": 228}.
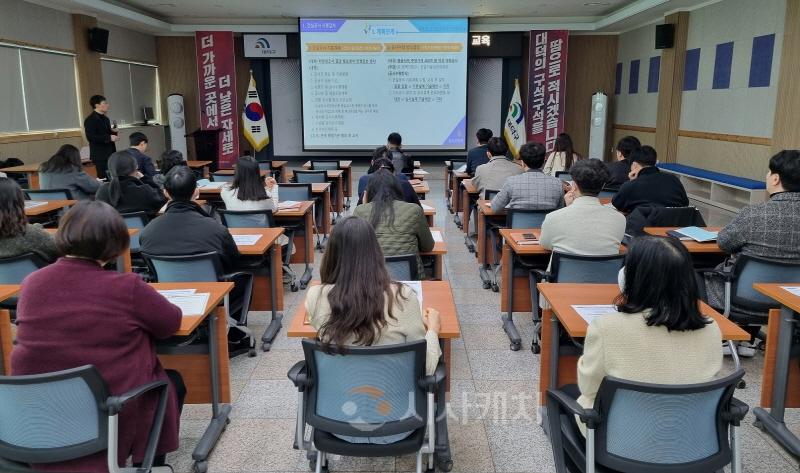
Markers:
{"x": 68, "y": 415}
{"x": 402, "y": 267}
{"x": 455, "y": 164}
{"x": 48, "y": 194}
{"x": 136, "y": 220}
{"x": 299, "y": 193}
{"x": 565, "y": 267}
{"x": 515, "y": 218}
{"x": 222, "y": 177}
{"x": 657, "y": 216}
{"x": 377, "y": 394}
{"x": 649, "y": 428}
{"x": 488, "y": 194}
{"x": 16, "y": 268}
{"x": 564, "y": 175}
{"x": 317, "y": 176}
{"x": 206, "y": 267}
{"x": 319, "y": 165}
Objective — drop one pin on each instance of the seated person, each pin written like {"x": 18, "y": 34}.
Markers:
{"x": 768, "y": 230}
{"x": 137, "y": 149}
{"x": 622, "y": 166}
{"x": 494, "y": 173}
{"x": 562, "y": 156}
{"x": 250, "y": 191}
{"x": 565, "y": 230}
{"x": 168, "y": 160}
{"x": 658, "y": 334}
{"x": 357, "y": 303}
{"x": 403, "y": 162}
{"x": 381, "y": 160}
{"x": 65, "y": 171}
{"x": 648, "y": 185}
{"x": 185, "y": 228}
{"x": 74, "y": 313}
{"x": 401, "y": 227}
{"x": 478, "y": 155}
{"x": 17, "y": 236}
{"x": 531, "y": 190}
{"x": 128, "y": 190}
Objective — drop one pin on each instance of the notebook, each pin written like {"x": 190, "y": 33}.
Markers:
{"x": 246, "y": 240}
{"x": 189, "y": 303}
{"x": 288, "y": 204}
{"x": 693, "y": 233}
{"x": 591, "y": 312}
{"x": 462, "y": 169}
{"x": 437, "y": 236}
{"x": 34, "y": 203}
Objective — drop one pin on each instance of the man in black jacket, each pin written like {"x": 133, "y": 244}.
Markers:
{"x": 101, "y": 134}
{"x": 186, "y": 229}
{"x": 648, "y": 185}
{"x": 479, "y": 154}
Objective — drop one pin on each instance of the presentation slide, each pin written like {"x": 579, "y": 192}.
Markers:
{"x": 363, "y": 79}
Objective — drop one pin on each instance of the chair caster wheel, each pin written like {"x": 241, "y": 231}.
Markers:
{"x": 266, "y": 346}
{"x": 495, "y": 288}
{"x": 201, "y": 467}
{"x": 294, "y": 288}
{"x": 515, "y": 346}
{"x": 536, "y": 348}
{"x": 487, "y": 285}
{"x": 742, "y": 384}
{"x": 444, "y": 465}
{"x": 303, "y": 286}
{"x": 252, "y": 353}
{"x": 759, "y": 425}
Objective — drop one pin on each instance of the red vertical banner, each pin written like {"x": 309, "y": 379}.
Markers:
{"x": 216, "y": 86}
{"x": 547, "y": 85}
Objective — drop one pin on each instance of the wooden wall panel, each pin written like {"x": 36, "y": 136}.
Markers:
{"x": 786, "y": 132}
{"x": 739, "y": 159}
{"x": 670, "y": 90}
{"x": 590, "y": 68}
{"x": 90, "y": 75}
{"x": 645, "y": 136}
{"x": 177, "y": 74}
{"x": 38, "y": 150}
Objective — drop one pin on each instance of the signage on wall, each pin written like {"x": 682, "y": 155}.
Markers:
{"x": 216, "y": 86}
{"x": 265, "y": 45}
{"x": 547, "y": 85}
{"x": 494, "y": 44}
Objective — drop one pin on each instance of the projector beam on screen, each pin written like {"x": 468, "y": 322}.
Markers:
{"x": 365, "y": 78}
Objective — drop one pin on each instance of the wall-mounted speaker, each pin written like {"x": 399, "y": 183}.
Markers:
{"x": 665, "y": 36}
{"x": 98, "y": 40}
{"x": 597, "y": 126}
{"x": 177, "y": 124}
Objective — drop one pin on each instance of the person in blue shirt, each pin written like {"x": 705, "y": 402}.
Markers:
{"x": 137, "y": 149}
{"x": 479, "y": 154}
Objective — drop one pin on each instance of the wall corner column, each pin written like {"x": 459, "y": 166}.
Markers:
{"x": 670, "y": 91}
{"x": 90, "y": 74}
{"x": 786, "y": 132}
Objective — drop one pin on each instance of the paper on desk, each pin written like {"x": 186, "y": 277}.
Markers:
{"x": 211, "y": 185}
{"x": 288, "y": 204}
{"x": 191, "y": 304}
{"x": 246, "y": 240}
{"x": 427, "y": 207}
{"x": 34, "y": 203}
{"x": 462, "y": 169}
{"x": 421, "y": 172}
{"x": 416, "y": 286}
{"x": 437, "y": 236}
{"x": 591, "y": 312}
{"x": 177, "y": 292}
{"x": 795, "y": 290}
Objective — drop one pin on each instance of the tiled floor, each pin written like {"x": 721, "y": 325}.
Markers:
{"x": 493, "y": 424}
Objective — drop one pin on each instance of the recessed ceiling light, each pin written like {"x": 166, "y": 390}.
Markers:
{"x": 596, "y": 4}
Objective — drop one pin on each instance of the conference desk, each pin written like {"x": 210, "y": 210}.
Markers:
{"x": 347, "y": 167}
{"x": 704, "y": 255}
{"x": 124, "y": 264}
{"x": 7, "y": 291}
{"x": 200, "y": 165}
{"x": 435, "y": 294}
{"x": 429, "y": 209}
{"x": 557, "y": 368}
{"x": 455, "y": 193}
{"x": 336, "y": 178}
{"x": 438, "y": 253}
{"x": 321, "y": 191}
{"x": 39, "y": 208}
{"x": 781, "y": 375}
{"x": 422, "y": 189}
{"x": 304, "y": 253}
{"x": 31, "y": 172}
{"x": 486, "y": 215}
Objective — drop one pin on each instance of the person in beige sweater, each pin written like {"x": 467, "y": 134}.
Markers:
{"x": 358, "y": 303}
{"x": 658, "y": 334}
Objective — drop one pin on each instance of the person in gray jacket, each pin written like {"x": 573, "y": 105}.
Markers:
{"x": 64, "y": 171}
{"x": 494, "y": 173}
{"x": 532, "y": 190}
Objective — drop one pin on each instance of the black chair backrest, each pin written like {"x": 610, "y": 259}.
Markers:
{"x": 247, "y": 218}
{"x": 565, "y": 267}
{"x": 48, "y": 194}
{"x": 324, "y": 165}
{"x": 749, "y": 270}
{"x": 657, "y": 216}
{"x": 307, "y": 177}
{"x": 518, "y": 218}
{"x": 202, "y": 267}
{"x": 16, "y": 268}
{"x": 402, "y": 267}
{"x": 295, "y": 192}
{"x": 664, "y": 428}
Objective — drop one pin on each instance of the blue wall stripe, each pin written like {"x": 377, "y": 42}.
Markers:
{"x": 618, "y": 80}
{"x": 761, "y": 61}
{"x": 652, "y": 76}
{"x": 722, "y": 66}
{"x": 633, "y": 83}
{"x": 691, "y": 70}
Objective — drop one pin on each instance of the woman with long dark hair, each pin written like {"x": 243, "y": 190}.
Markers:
{"x": 358, "y": 303}
{"x": 249, "y": 190}
{"x": 17, "y": 236}
{"x": 658, "y": 334}
{"x": 64, "y": 171}
{"x": 562, "y": 156}
{"x": 128, "y": 190}
{"x": 401, "y": 226}
{"x": 382, "y": 159}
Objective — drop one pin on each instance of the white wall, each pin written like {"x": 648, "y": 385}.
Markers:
{"x": 738, "y": 110}
{"x": 637, "y": 109}
{"x": 129, "y": 44}
{"x": 30, "y": 23}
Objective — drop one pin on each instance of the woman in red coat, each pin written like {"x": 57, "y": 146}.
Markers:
{"x": 74, "y": 313}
